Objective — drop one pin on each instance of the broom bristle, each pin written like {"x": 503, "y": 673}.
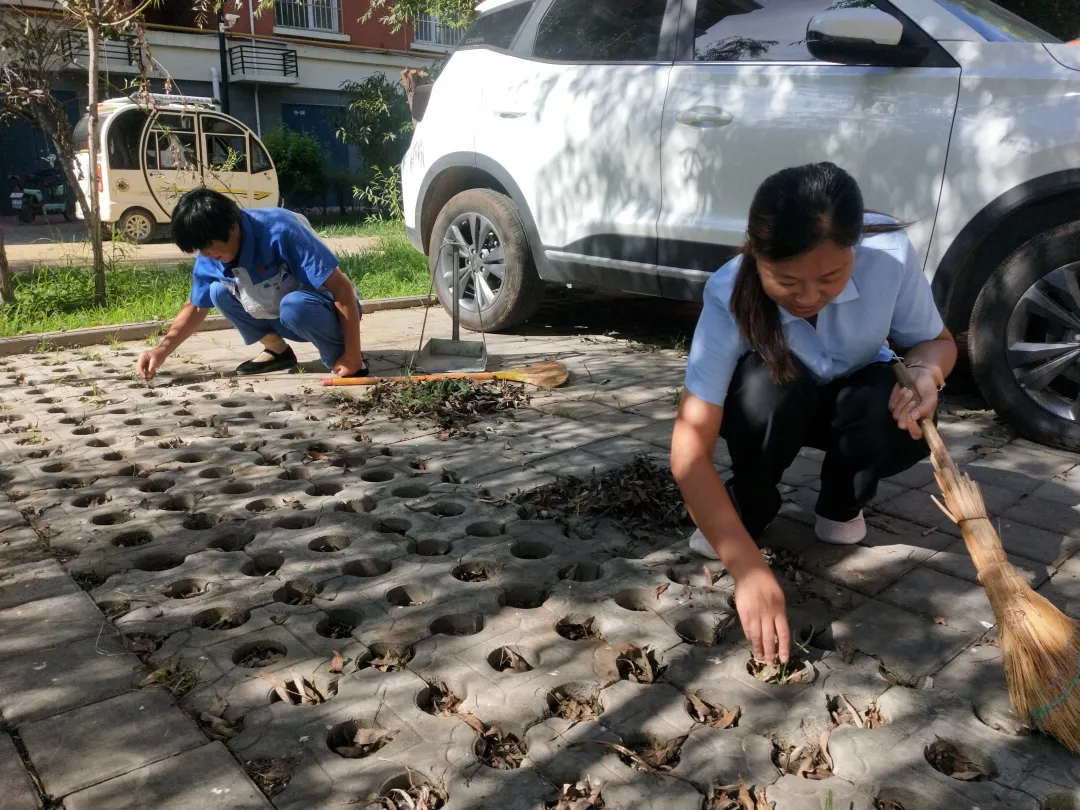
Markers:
{"x": 550, "y": 374}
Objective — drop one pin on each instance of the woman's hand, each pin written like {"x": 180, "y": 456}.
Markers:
{"x": 760, "y": 603}
{"x": 908, "y": 408}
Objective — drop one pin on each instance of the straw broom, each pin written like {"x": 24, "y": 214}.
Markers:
{"x": 550, "y": 374}
{"x": 1040, "y": 645}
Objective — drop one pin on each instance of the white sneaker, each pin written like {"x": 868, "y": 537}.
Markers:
{"x": 841, "y": 533}
{"x": 699, "y": 545}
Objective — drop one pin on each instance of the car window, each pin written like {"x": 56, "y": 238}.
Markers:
{"x": 600, "y": 31}
{"x": 995, "y": 23}
{"x": 171, "y": 144}
{"x": 761, "y": 31}
{"x": 125, "y": 132}
{"x": 497, "y": 28}
{"x": 260, "y": 161}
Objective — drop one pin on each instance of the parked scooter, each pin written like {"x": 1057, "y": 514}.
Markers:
{"x": 43, "y": 192}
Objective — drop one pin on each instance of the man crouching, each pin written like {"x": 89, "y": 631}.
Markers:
{"x": 271, "y": 277}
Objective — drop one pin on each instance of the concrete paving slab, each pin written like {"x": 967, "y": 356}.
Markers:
{"x": 15, "y": 784}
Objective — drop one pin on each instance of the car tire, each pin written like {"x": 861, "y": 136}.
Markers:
{"x": 1033, "y": 298}
{"x": 136, "y": 225}
{"x": 488, "y": 302}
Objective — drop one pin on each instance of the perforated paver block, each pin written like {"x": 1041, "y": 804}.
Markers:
{"x": 206, "y": 777}
{"x": 89, "y": 745}
{"x": 15, "y": 784}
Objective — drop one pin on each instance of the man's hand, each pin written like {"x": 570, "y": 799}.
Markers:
{"x": 760, "y": 603}
{"x": 149, "y": 362}
{"x": 347, "y": 365}
{"x": 908, "y": 408}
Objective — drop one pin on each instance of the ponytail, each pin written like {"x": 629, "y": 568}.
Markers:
{"x": 758, "y": 318}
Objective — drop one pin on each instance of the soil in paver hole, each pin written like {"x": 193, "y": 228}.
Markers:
{"x": 271, "y": 776}
{"x": 843, "y": 713}
{"x": 651, "y": 755}
{"x": 947, "y": 758}
{"x": 353, "y": 741}
{"x": 638, "y": 664}
{"x": 576, "y": 703}
{"x": 501, "y": 751}
{"x": 795, "y": 671}
{"x": 412, "y": 795}
{"x": 811, "y": 761}
{"x": 720, "y": 717}
{"x": 386, "y": 657}
{"x": 578, "y": 630}
{"x": 737, "y": 797}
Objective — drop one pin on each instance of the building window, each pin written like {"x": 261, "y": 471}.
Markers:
{"x": 309, "y": 15}
{"x": 433, "y": 34}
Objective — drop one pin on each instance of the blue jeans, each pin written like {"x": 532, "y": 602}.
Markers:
{"x": 302, "y": 316}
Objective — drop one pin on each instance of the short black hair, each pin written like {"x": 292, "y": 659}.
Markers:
{"x": 203, "y": 216}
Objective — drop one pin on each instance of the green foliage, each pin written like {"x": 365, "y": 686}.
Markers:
{"x": 397, "y": 13}
{"x": 384, "y": 194}
{"x": 378, "y": 121}
{"x": 300, "y": 161}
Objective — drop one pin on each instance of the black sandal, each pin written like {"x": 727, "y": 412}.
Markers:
{"x": 282, "y": 361}
{"x": 363, "y": 371}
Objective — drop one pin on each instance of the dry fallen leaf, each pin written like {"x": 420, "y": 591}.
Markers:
{"x": 708, "y": 576}
{"x": 581, "y": 795}
{"x": 337, "y": 664}
{"x": 659, "y": 589}
{"x": 941, "y": 620}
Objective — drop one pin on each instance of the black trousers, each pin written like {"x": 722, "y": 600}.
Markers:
{"x": 765, "y": 425}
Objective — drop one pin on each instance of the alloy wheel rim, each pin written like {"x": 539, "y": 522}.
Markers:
{"x": 472, "y": 262}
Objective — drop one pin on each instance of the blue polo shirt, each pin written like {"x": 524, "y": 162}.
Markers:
{"x": 887, "y": 297}
{"x": 278, "y": 255}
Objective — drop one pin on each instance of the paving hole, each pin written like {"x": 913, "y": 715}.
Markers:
{"x": 408, "y": 595}
{"x": 223, "y": 617}
{"x": 237, "y": 488}
{"x": 186, "y": 589}
{"x": 159, "y": 561}
{"x": 296, "y": 474}
{"x": 76, "y": 482}
{"x": 410, "y": 491}
{"x": 693, "y": 574}
{"x": 297, "y": 521}
{"x": 430, "y": 547}
{"x": 54, "y": 467}
{"x": 705, "y": 630}
{"x": 127, "y": 471}
{"x": 523, "y": 597}
{"x": 246, "y": 447}
{"x": 100, "y": 441}
{"x": 409, "y": 791}
{"x": 577, "y": 702}
{"x": 330, "y": 543}
{"x": 379, "y": 477}
{"x": 393, "y": 526}
{"x": 712, "y": 715}
{"x": 355, "y": 740}
{"x": 214, "y": 472}
{"x": 114, "y": 608}
{"x": 472, "y": 572}
{"x": 258, "y": 654}
{"x": 132, "y": 539}
{"x": 794, "y": 672}
{"x": 232, "y": 537}
{"x": 352, "y": 461}
{"x": 192, "y": 457}
{"x": 638, "y": 664}
{"x": 446, "y": 509}
{"x": 299, "y": 591}
{"x": 113, "y": 456}
{"x": 156, "y": 484}
{"x": 500, "y": 750}
{"x": 638, "y": 600}
{"x": 111, "y": 518}
{"x": 530, "y": 550}
{"x": 264, "y": 564}
{"x": 86, "y": 501}
{"x": 56, "y": 410}
{"x": 271, "y": 426}
{"x": 457, "y": 624}
{"x": 652, "y": 754}
{"x": 385, "y": 656}
{"x": 179, "y": 503}
{"x": 261, "y": 505}
{"x": 200, "y": 521}
{"x": 578, "y": 627}
{"x": 508, "y": 659}
{"x": 484, "y": 528}
{"x": 338, "y": 623}
{"x": 581, "y": 572}
{"x": 320, "y": 449}
{"x": 232, "y": 403}
{"x": 366, "y": 567}
{"x": 152, "y": 433}
{"x": 85, "y": 430}
{"x": 437, "y": 699}
{"x": 142, "y": 643}
{"x": 298, "y": 434}
{"x": 959, "y": 761}
{"x": 323, "y": 490}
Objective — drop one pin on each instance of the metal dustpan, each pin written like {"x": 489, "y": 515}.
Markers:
{"x": 453, "y": 356}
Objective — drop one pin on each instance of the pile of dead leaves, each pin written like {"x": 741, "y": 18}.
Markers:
{"x": 271, "y": 776}
{"x": 576, "y": 704}
{"x": 707, "y": 714}
{"x": 843, "y": 713}
{"x": 298, "y": 691}
{"x": 945, "y": 758}
{"x": 510, "y": 660}
{"x": 214, "y": 724}
{"x": 638, "y": 664}
{"x": 497, "y": 749}
{"x": 652, "y": 755}
{"x": 450, "y": 404}
{"x": 778, "y": 673}
{"x": 736, "y": 797}
{"x": 363, "y": 743}
{"x": 584, "y": 630}
{"x": 440, "y": 700}
{"x": 808, "y": 761}
{"x": 641, "y": 496}
{"x": 581, "y": 795}
{"x": 389, "y": 659}
{"x": 414, "y": 797}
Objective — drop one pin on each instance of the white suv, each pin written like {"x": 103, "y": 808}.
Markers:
{"x": 617, "y": 144}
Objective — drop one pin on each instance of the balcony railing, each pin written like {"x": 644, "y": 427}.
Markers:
{"x": 251, "y": 60}
{"x": 76, "y": 48}
{"x": 310, "y": 15}
{"x": 431, "y": 33}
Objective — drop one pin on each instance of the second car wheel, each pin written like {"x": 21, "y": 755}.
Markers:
{"x": 479, "y": 252}
{"x": 1025, "y": 338}
{"x": 137, "y": 226}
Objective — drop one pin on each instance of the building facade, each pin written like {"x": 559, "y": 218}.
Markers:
{"x": 284, "y": 66}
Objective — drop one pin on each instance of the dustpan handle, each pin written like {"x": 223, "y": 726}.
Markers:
{"x": 453, "y": 375}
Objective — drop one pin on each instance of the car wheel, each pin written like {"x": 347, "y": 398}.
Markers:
{"x": 137, "y": 226}
{"x": 1025, "y": 338}
{"x": 479, "y": 242}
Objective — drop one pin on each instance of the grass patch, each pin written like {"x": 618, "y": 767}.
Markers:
{"x": 337, "y": 225}
{"x": 59, "y": 299}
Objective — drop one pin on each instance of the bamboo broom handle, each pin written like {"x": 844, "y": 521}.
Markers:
{"x": 938, "y": 450}
{"x": 478, "y": 375}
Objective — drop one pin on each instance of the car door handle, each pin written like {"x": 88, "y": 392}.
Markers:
{"x": 155, "y": 174}
{"x": 704, "y": 117}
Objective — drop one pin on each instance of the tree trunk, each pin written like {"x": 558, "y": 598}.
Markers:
{"x": 93, "y": 221}
{"x": 7, "y": 281}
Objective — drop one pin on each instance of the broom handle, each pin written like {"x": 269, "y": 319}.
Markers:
{"x": 478, "y": 375}
{"x": 938, "y": 450}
